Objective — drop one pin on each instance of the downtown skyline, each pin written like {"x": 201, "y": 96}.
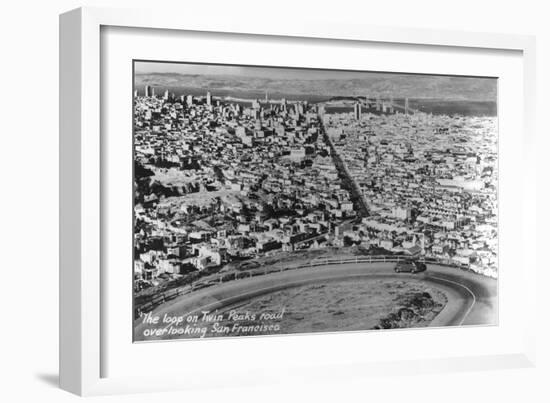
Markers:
{"x": 314, "y": 81}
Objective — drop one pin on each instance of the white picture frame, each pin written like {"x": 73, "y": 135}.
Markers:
{"x": 82, "y": 307}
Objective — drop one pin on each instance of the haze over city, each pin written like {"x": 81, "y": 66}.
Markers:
{"x": 314, "y": 81}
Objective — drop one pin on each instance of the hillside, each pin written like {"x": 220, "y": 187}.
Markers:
{"x": 373, "y": 84}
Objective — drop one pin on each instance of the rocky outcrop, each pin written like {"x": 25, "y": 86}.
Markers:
{"x": 412, "y": 309}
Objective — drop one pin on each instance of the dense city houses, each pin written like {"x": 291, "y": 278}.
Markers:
{"x": 221, "y": 180}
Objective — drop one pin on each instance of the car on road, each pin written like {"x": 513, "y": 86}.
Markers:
{"x": 409, "y": 266}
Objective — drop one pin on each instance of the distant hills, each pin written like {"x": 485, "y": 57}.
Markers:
{"x": 373, "y": 84}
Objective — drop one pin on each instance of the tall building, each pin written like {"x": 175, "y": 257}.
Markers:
{"x": 406, "y": 105}
{"x": 297, "y": 111}
{"x": 149, "y": 91}
{"x": 357, "y": 111}
{"x": 237, "y": 109}
{"x": 189, "y": 100}
{"x": 166, "y": 95}
{"x": 321, "y": 111}
{"x": 208, "y": 98}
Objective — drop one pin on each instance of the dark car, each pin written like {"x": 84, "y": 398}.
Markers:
{"x": 410, "y": 266}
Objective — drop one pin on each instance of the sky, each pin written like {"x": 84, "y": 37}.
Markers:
{"x": 264, "y": 72}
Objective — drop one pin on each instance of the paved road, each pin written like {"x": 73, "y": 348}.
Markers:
{"x": 472, "y": 299}
{"x": 479, "y": 295}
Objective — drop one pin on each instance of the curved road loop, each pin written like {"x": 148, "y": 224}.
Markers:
{"x": 471, "y": 298}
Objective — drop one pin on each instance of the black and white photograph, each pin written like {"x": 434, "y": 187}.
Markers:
{"x": 272, "y": 201}
{"x": 300, "y": 201}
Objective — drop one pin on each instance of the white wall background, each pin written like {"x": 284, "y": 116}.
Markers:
{"x": 29, "y": 201}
